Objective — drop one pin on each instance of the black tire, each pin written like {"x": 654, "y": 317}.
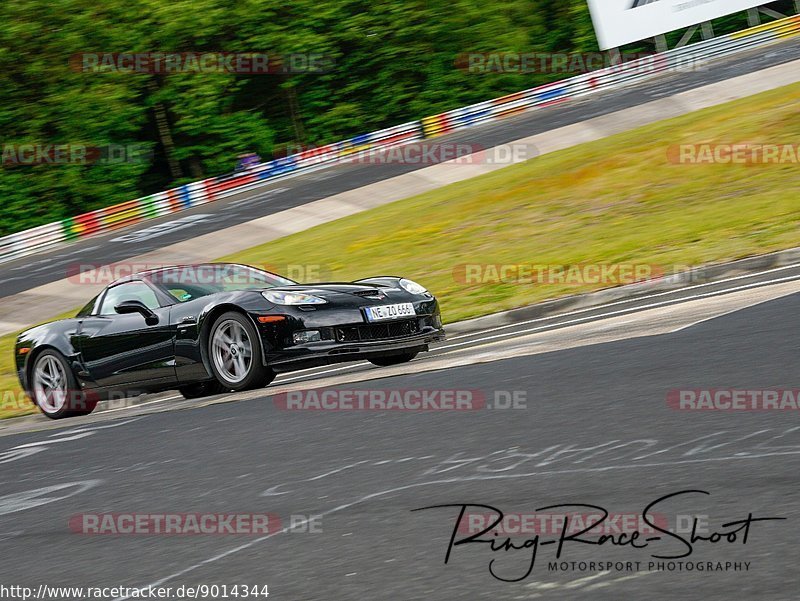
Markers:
{"x": 393, "y": 359}
{"x": 201, "y": 389}
{"x": 253, "y": 374}
{"x": 76, "y": 402}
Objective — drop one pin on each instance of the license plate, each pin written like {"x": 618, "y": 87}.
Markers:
{"x": 383, "y": 312}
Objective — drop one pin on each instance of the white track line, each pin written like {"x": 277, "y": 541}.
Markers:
{"x": 621, "y": 311}
{"x": 638, "y": 298}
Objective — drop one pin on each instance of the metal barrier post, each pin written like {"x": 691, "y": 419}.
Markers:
{"x": 687, "y": 36}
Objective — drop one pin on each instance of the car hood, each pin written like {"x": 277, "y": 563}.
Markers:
{"x": 346, "y": 293}
{"x": 337, "y": 289}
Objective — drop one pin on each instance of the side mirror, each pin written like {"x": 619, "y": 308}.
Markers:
{"x": 135, "y": 306}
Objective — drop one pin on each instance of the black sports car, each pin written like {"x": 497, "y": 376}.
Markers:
{"x": 206, "y": 329}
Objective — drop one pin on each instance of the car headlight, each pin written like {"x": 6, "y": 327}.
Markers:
{"x": 412, "y": 287}
{"x": 292, "y": 298}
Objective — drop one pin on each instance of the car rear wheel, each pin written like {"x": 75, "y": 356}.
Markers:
{"x": 55, "y": 389}
{"x": 201, "y": 389}
{"x": 234, "y": 350}
{"x": 393, "y": 359}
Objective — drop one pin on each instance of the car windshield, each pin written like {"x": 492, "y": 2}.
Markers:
{"x": 186, "y": 283}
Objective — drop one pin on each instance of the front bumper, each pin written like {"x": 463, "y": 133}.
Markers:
{"x": 327, "y": 352}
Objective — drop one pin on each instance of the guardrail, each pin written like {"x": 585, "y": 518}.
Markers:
{"x": 629, "y": 73}
{"x": 171, "y": 201}
{"x": 174, "y": 200}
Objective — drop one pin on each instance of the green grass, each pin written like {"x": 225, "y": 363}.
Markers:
{"x": 618, "y": 200}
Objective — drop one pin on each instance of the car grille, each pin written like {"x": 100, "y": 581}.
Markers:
{"x": 377, "y": 331}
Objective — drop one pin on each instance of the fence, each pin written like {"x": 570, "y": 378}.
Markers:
{"x": 197, "y": 193}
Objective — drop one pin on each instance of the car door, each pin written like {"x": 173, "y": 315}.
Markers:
{"x": 123, "y": 350}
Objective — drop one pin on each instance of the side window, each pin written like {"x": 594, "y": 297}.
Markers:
{"x": 126, "y": 292}
{"x": 90, "y": 308}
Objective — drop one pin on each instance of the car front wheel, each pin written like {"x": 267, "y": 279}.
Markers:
{"x": 55, "y": 389}
{"x": 234, "y": 350}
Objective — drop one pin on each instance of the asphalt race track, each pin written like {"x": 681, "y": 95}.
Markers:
{"x": 594, "y": 428}
{"x": 29, "y": 272}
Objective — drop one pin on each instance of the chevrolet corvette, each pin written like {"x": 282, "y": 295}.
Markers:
{"x": 211, "y": 328}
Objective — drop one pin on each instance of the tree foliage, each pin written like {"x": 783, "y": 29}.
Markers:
{"x": 395, "y": 60}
